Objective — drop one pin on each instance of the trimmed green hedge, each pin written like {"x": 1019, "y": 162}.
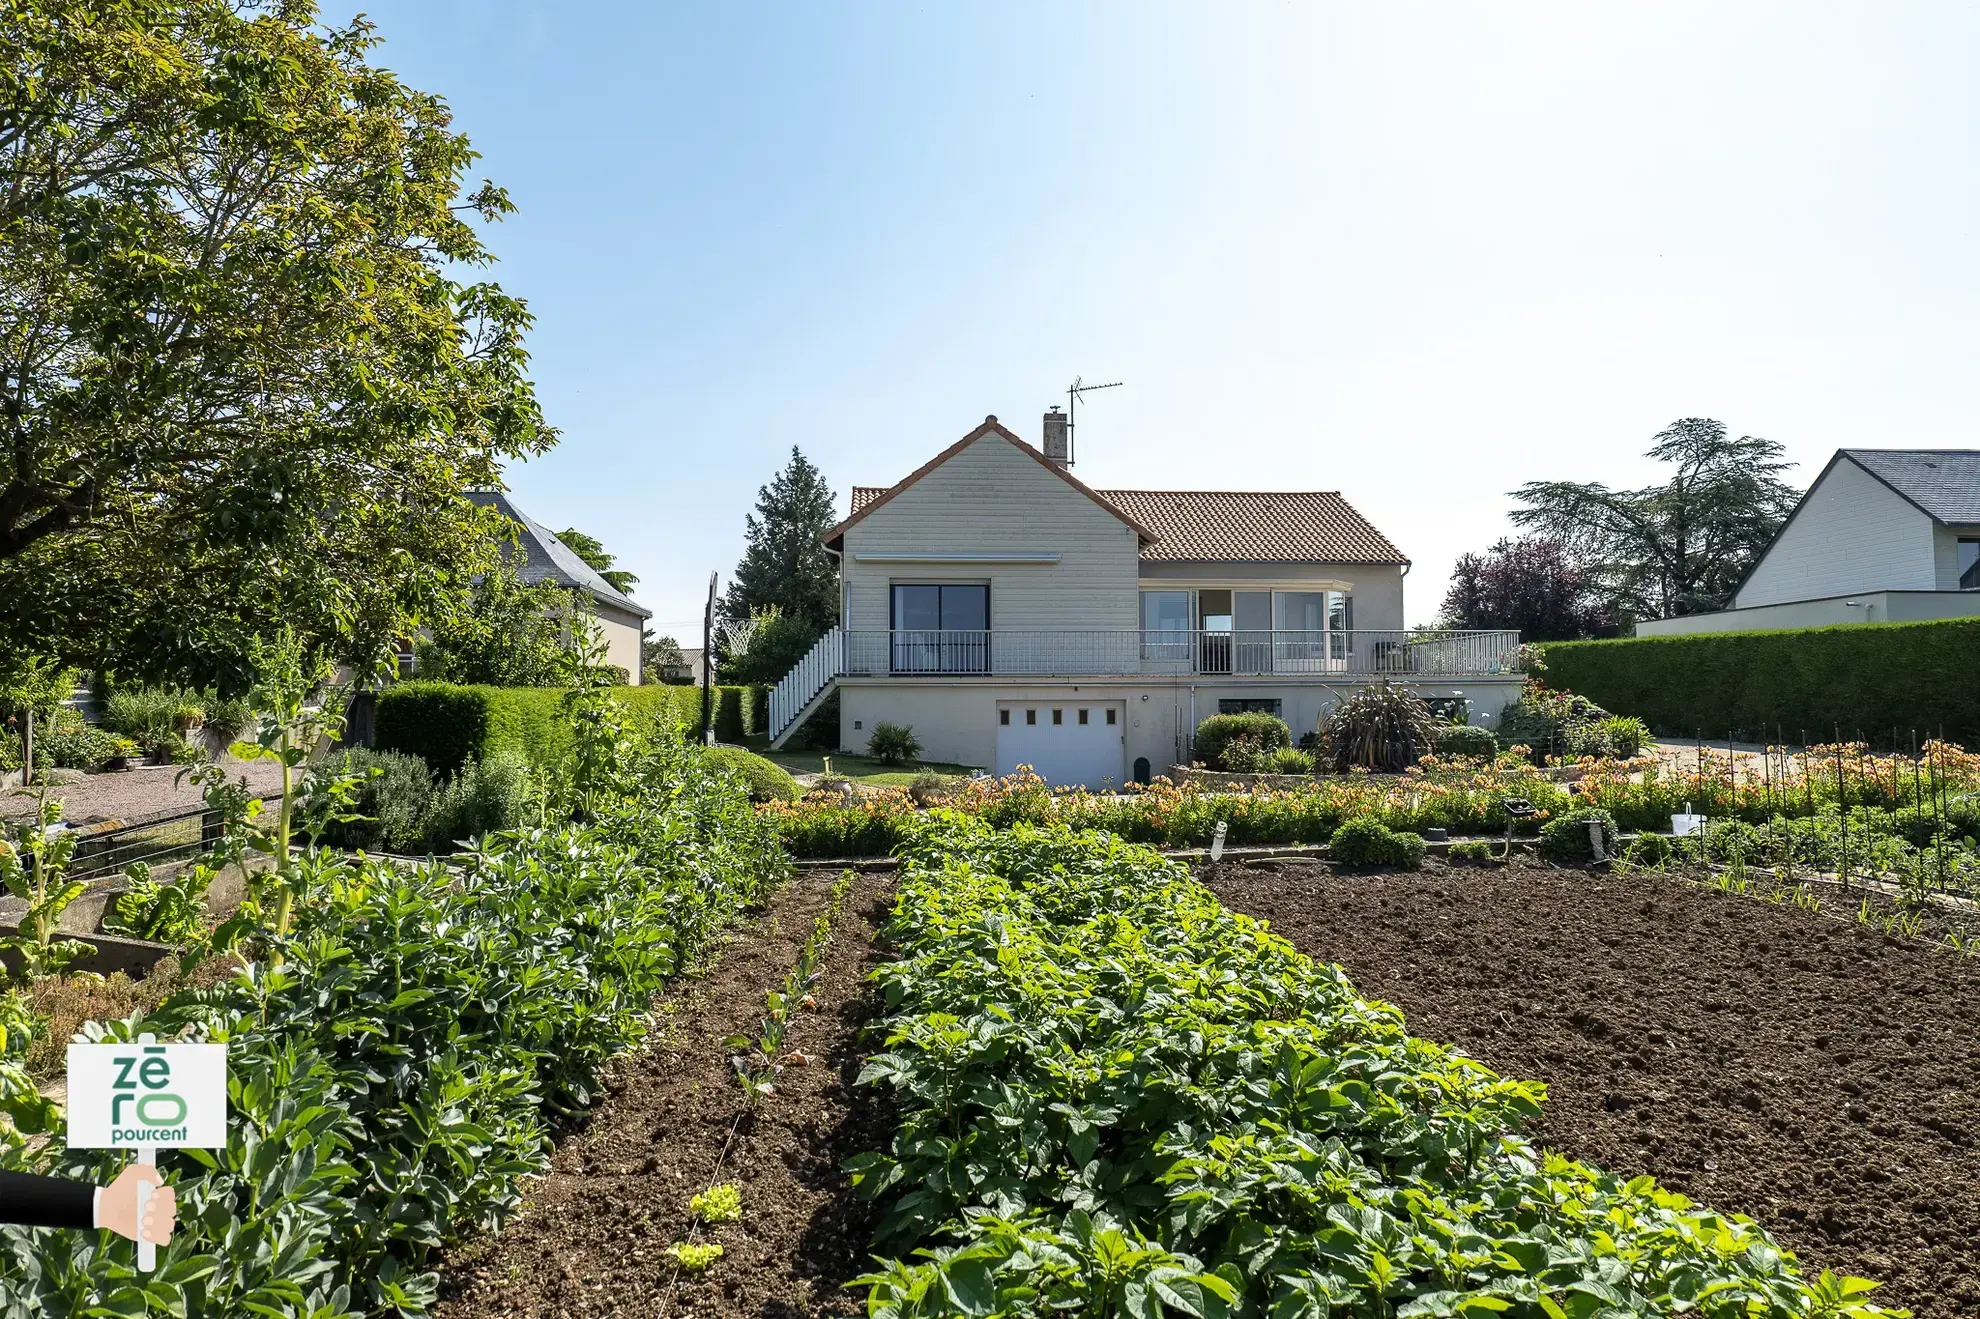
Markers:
{"x": 1865, "y": 678}
{"x": 448, "y": 725}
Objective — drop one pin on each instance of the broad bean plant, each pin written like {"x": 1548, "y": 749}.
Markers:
{"x": 1116, "y": 1097}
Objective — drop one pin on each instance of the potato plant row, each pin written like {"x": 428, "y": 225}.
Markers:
{"x": 397, "y": 1063}
{"x": 1116, "y": 1097}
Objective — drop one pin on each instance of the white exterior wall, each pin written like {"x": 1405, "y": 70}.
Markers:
{"x": 1864, "y": 607}
{"x": 1945, "y": 551}
{"x": 1852, "y": 533}
{"x": 992, "y": 499}
{"x": 956, "y": 722}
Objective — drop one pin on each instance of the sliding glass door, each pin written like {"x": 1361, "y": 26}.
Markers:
{"x": 941, "y": 627}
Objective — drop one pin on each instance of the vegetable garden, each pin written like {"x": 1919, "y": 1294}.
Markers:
{"x": 1042, "y": 1070}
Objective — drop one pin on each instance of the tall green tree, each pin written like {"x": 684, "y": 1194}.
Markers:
{"x": 240, "y": 383}
{"x": 1680, "y": 547}
{"x": 593, "y": 553}
{"x": 511, "y": 634}
{"x": 785, "y": 565}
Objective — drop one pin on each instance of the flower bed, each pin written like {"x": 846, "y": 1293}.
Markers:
{"x": 1463, "y": 796}
{"x": 1117, "y": 1097}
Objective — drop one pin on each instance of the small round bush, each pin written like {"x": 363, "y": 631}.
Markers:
{"x": 1217, "y": 736}
{"x": 1647, "y": 850}
{"x": 1565, "y": 838}
{"x": 1467, "y": 740}
{"x": 1471, "y": 851}
{"x": 394, "y": 801}
{"x": 893, "y": 744}
{"x": 766, "y": 781}
{"x": 1365, "y": 842}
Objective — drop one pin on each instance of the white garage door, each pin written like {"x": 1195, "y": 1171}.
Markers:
{"x": 1065, "y": 739}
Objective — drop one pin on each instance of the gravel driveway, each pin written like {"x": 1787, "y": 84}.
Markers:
{"x": 132, "y": 794}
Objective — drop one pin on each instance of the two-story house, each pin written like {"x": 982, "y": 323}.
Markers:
{"x": 1011, "y": 614}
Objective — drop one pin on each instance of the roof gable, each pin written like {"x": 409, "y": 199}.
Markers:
{"x": 546, "y": 558}
{"x": 868, "y": 498}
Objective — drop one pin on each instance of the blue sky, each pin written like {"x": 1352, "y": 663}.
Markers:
{"x": 1418, "y": 253}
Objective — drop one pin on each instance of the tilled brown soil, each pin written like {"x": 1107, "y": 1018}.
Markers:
{"x": 593, "y": 1234}
{"x": 1794, "y": 1067}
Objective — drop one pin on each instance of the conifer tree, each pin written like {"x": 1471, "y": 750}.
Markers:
{"x": 785, "y": 564}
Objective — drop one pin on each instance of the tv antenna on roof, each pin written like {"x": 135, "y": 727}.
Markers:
{"x": 1072, "y": 404}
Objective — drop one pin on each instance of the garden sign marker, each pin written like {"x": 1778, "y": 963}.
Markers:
{"x": 146, "y": 1096}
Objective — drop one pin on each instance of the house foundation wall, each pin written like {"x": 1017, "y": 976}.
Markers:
{"x": 956, "y": 722}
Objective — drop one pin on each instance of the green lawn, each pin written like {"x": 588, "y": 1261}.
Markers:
{"x": 861, "y": 769}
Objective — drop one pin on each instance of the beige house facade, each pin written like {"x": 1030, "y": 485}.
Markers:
{"x": 1010, "y": 614}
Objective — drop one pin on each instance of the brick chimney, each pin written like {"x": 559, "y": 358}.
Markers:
{"x": 1058, "y": 441}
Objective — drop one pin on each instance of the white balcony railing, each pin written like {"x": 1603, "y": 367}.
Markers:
{"x": 1002, "y": 652}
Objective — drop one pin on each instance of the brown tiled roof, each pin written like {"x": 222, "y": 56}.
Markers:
{"x": 1254, "y": 526}
{"x": 1198, "y": 526}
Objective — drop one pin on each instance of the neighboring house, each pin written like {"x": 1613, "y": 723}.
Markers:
{"x": 1883, "y": 536}
{"x": 619, "y": 620}
{"x": 1012, "y": 615}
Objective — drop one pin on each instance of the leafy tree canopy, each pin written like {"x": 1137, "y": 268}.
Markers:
{"x": 785, "y": 564}
{"x": 242, "y": 385}
{"x": 660, "y": 656}
{"x": 1676, "y": 548}
{"x": 511, "y": 634}
{"x": 593, "y": 553}
{"x": 1532, "y": 585}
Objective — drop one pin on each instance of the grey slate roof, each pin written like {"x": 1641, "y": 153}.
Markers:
{"x": 545, "y": 558}
{"x": 1943, "y": 482}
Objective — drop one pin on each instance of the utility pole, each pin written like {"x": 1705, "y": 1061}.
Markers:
{"x": 708, "y": 666}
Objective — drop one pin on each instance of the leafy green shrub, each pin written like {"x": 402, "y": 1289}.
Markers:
{"x": 487, "y": 796}
{"x": 1472, "y": 851}
{"x": 395, "y": 801}
{"x": 1365, "y": 842}
{"x": 1380, "y": 727}
{"x": 1187, "y": 1067}
{"x": 1613, "y": 737}
{"x": 1467, "y": 740}
{"x": 893, "y": 744}
{"x": 1542, "y": 719}
{"x": 1565, "y": 837}
{"x": 72, "y": 743}
{"x": 1265, "y": 733}
{"x": 1853, "y": 676}
{"x": 765, "y": 781}
{"x": 1647, "y": 849}
{"x": 1290, "y": 760}
{"x": 1243, "y": 755}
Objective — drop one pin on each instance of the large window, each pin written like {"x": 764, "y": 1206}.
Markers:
{"x": 1166, "y": 620}
{"x": 1969, "y": 565}
{"x": 941, "y": 627}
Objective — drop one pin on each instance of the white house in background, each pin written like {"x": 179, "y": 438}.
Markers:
{"x": 1883, "y": 536}
{"x": 618, "y": 619}
{"x": 1013, "y": 615}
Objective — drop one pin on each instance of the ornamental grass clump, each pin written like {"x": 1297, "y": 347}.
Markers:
{"x": 1382, "y": 727}
{"x": 1115, "y": 1097}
